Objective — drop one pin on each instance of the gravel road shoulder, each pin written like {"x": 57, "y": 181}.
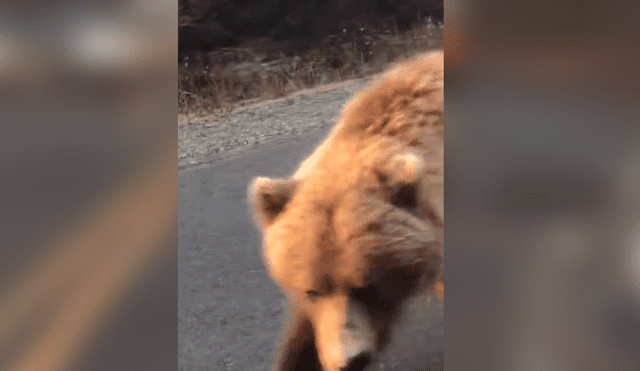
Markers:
{"x": 210, "y": 139}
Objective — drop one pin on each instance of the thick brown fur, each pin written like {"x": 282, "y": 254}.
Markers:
{"x": 359, "y": 228}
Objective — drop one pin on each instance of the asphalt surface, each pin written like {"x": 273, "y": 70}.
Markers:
{"x": 230, "y": 312}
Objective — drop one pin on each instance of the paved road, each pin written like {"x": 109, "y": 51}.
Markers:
{"x": 230, "y": 312}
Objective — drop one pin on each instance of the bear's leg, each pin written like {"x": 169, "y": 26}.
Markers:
{"x": 297, "y": 350}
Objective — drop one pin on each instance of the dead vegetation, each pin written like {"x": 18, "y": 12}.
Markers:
{"x": 217, "y": 82}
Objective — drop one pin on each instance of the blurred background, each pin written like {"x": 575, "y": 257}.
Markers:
{"x": 542, "y": 181}
{"x": 88, "y": 215}
{"x": 542, "y": 185}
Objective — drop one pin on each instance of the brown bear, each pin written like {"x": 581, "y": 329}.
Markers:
{"x": 359, "y": 228}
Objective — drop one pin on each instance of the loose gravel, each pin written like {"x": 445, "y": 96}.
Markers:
{"x": 210, "y": 139}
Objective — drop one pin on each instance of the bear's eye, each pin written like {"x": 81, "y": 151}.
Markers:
{"x": 406, "y": 197}
{"x": 312, "y": 294}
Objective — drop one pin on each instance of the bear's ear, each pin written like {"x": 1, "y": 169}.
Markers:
{"x": 408, "y": 177}
{"x": 408, "y": 168}
{"x": 268, "y": 197}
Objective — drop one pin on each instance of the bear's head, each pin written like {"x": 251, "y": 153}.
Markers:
{"x": 347, "y": 259}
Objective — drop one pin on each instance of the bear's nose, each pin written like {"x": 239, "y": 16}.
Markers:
{"x": 358, "y": 363}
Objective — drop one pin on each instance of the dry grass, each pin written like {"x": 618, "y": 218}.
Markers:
{"x": 217, "y": 82}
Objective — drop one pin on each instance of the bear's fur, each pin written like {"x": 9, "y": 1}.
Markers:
{"x": 359, "y": 228}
